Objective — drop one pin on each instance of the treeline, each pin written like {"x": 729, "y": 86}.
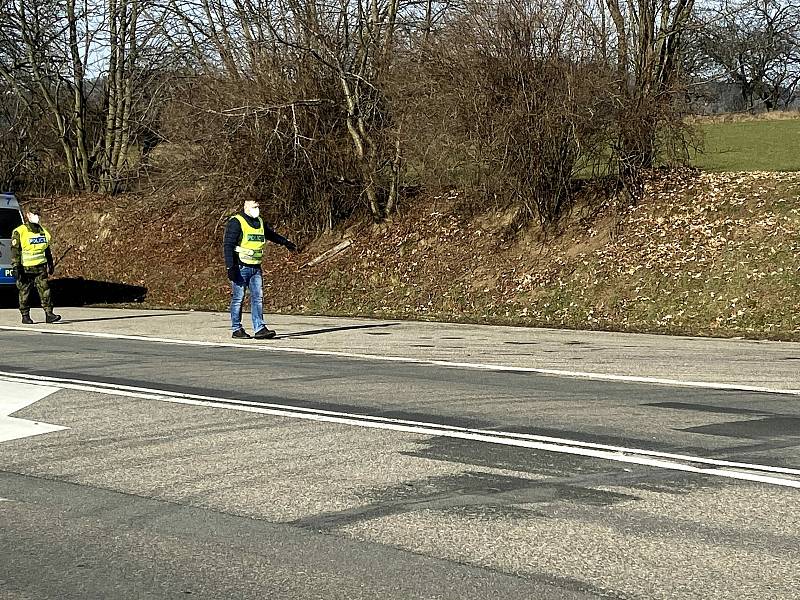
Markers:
{"x": 325, "y": 108}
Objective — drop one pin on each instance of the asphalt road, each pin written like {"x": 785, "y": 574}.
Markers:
{"x": 223, "y": 472}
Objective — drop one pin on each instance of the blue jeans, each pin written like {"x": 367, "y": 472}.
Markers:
{"x": 251, "y": 278}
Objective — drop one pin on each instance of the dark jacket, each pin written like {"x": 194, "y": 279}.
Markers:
{"x": 233, "y": 237}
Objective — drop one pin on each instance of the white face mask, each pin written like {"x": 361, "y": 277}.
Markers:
{"x": 252, "y": 212}
{"x": 33, "y": 219}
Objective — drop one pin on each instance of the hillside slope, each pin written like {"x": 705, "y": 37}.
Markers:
{"x": 703, "y": 254}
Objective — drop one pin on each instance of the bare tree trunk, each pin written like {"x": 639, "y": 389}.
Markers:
{"x": 394, "y": 184}
{"x": 128, "y": 77}
{"x": 124, "y": 16}
{"x": 220, "y": 37}
{"x": 363, "y": 145}
{"x": 426, "y": 31}
{"x": 111, "y": 100}
{"x": 119, "y": 88}
{"x": 622, "y": 41}
{"x": 79, "y": 111}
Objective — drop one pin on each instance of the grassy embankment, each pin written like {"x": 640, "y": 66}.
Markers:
{"x": 715, "y": 253}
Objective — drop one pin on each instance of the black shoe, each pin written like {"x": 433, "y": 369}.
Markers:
{"x": 26, "y": 320}
{"x": 52, "y": 318}
{"x": 241, "y": 334}
{"x": 265, "y": 334}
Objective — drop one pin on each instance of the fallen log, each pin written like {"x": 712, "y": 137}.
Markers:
{"x": 329, "y": 253}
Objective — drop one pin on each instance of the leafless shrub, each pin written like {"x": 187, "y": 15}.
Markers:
{"x": 243, "y": 136}
{"x": 519, "y": 98}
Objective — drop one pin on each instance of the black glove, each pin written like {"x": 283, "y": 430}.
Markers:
{"x": 19, "y": 274}
{"x": 235, "y": 275}
{"x": 50, "y": 268}
{"x": 291, "y": 246}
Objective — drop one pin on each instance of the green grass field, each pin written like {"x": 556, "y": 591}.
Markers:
{"x": 768, "y": 145}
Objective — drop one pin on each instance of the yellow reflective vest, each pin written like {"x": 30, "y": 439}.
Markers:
{"x": 33, "y": 245}
{"x": 251, "y": 247}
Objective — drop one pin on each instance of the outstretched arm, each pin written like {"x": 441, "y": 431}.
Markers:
{"x": 274, "y": 236}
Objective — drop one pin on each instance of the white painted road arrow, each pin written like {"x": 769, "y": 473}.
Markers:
{"x": 16, "y": 396}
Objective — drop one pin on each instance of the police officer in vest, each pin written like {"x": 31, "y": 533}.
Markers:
{"x": 243, "y": 244}
{"x": 33, "y": 262}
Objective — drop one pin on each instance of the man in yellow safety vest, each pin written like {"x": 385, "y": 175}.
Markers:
{"x": 33, "y": 262}
{"x": 245, "y": 237}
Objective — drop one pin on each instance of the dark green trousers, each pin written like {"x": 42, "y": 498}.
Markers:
{"x": 34, "y": 277}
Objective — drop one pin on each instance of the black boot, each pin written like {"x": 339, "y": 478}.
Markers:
{"x": 26, "y": 317}
{"x": 264, "y": 333}
{"x": 52, "y": 317}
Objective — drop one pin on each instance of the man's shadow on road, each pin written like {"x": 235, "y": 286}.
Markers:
{"x": 332, "y": 329}
{"x": 172, "y": 314}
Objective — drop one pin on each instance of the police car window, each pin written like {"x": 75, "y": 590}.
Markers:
{"x": 9, "y": 220}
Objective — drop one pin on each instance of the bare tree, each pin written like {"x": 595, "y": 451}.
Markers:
{"x": 32, "y": 36}
{"x": 355, "y": 43}
{"x": 754, "y": 44}
{"x": 21, "y": 136}
{"x": 80, "y": 65}
{"x": 649, "y": 40}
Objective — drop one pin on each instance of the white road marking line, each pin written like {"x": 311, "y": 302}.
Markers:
{"x": 422, "y": 361}
{"x": 742, "y": 471}
{"x": 14, "y": 396}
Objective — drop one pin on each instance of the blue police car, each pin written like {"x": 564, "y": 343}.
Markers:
{"x": 10, "y": 219}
